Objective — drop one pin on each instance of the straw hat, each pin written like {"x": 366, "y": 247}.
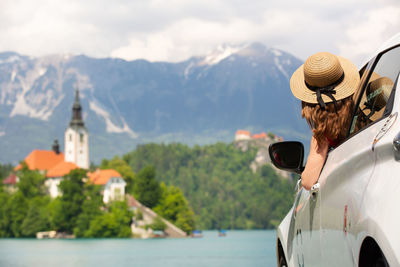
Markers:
{"x": 375, "y": 97}
{"x": 324, "y": 78}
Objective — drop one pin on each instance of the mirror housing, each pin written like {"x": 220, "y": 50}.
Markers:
{"x": 287, "y": 156}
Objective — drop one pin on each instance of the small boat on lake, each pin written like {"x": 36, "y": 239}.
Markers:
{"x": 197, "y": 233}
{"x": 221, "y": 233}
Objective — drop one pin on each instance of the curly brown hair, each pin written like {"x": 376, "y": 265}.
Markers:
{"x": 330, "y": 122}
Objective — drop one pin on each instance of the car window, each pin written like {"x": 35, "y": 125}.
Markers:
{"x": 377, "y": 82}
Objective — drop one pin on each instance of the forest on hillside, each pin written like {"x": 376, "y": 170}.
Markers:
{"x": 200, "y": 187}
{"x": 80, "y": 210}
{"x": 218, "y": 183}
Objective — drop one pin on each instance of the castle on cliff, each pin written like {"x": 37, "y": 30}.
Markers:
{"x": 245, "y": 139}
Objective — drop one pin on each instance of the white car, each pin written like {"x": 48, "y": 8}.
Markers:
{"x": 351, "y": 217}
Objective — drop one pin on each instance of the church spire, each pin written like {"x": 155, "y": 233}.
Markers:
{"x": 76, "y": 137}
{"x": 77, "y": 112}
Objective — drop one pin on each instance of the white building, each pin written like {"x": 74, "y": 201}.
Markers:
{"x": 76, "y": 140}
{"x": 112, "y": 182}
{"x": 55, "y": 175}
{"x": 242, "y": 135}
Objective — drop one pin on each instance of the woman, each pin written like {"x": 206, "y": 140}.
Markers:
{"x": 325, "y": 84}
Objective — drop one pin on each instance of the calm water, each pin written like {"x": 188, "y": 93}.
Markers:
{"x": 238, "y": 248}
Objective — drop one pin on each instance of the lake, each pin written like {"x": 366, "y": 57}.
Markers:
{"x": 238, "y": 248}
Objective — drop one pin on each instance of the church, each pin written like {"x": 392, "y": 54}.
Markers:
{"x": 76, "y": 138}
{"x": 55, "y": 164}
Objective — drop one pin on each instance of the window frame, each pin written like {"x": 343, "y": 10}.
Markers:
{"x": 369, "y": 67}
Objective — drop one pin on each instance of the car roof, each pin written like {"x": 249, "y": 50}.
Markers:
{"x": 394, "y": 40}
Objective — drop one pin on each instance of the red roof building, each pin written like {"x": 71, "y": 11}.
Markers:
{"x": 260, "y": 136}
{"x": 10, "y": 183}
{"x": 61, "y": 169}
{"x": 112, "y": 182}
{"x": 42, "y": 160}
{"x": 52, "y": 164}
{"x": 48, "y": 161}
{"x": 101, "y": 177}
{"x": 11, "y": 179}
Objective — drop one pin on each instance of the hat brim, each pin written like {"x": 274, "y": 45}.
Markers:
{"x": 378, "y": 114}
{"x": 345, "y": 89}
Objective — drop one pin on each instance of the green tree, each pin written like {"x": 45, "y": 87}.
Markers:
{"x": 37, "y": 218}
{"x": 138, "y": 215}
{"x": 19, "y": 207}
{"x": 5, "y": 215}
{"x": 186, "y": 220}
{"x": 271, "y": 135}
{"x": 5, "y": 170}
{"x": 91, "y": 208}
{"x": 54, "y": 209}
{"x": 30, "y": 182}
{"x": 158, "y": 224}
{"x": 71, "y": 201}
{"x": 171, "y": 203}
{"x": 174, "y": 207}
{"x": 147, "y": 190}
{"x": 114, "y": 223}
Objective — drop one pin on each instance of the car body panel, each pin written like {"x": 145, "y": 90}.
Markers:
{"x": 383, "y": 194}
{"x": 348, "y": 171}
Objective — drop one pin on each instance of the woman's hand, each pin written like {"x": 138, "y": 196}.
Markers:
{"x": 315, "y": 162}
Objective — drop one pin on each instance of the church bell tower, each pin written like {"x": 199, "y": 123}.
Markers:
{"x": 77, "y": 138}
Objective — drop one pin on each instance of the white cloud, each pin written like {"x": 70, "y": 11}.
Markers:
{"x": 186, "y": 38}
{"x": 192, "y": 36}
{"x": 366, "y": 35}
{"x": 154, "y": 48}
{"x": 174, "y": 30}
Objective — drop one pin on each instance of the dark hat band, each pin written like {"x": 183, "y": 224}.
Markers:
{"x": 329, "y": 91}
{"x": 370, "y": 100}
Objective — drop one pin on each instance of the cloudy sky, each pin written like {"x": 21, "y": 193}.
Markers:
{"x": 174, "y": 30}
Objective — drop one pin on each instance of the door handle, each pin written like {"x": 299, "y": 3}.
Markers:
{"x": 385, "y": 128}
{"x": 396, "y": 147}
{"x": 314, "y": 190}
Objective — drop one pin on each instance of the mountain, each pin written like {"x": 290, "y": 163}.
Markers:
{"x": 125, "y": 103}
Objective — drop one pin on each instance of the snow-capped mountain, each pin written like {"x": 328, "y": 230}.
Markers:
{"x": 125, "y": 103}
{"x": 219, "y": 54}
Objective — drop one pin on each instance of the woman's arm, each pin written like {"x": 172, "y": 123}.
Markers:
{"x": 315, "y": 162}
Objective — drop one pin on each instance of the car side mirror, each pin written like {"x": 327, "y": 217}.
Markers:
{"x": 287, "y": 156}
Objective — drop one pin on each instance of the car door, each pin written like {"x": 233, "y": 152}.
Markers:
{"x": 349, "y": 167}
{"x": 342, "y": 184}
{"x": 306, "y": 229}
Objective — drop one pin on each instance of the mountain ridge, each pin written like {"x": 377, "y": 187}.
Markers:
{"x": 126, "y": 103}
